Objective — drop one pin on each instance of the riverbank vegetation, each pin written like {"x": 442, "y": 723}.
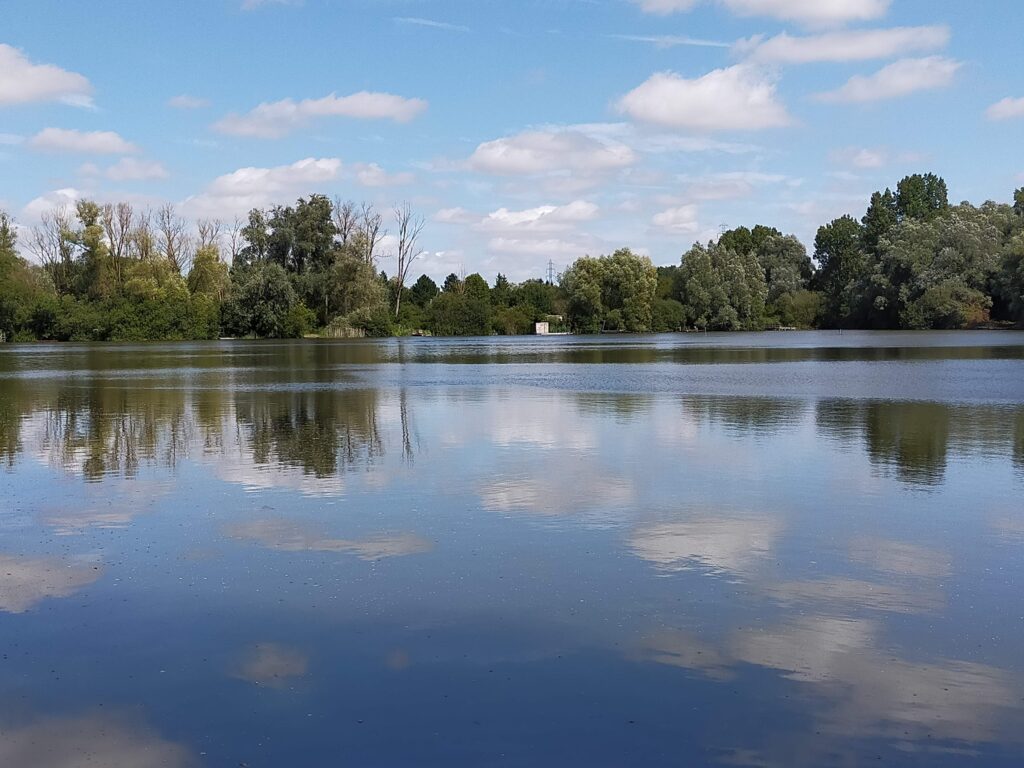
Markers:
{"x": 112, "y": 272}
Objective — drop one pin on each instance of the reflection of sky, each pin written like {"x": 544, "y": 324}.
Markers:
{"x": 93, "y": 740}
{"x": 620, "y": 576}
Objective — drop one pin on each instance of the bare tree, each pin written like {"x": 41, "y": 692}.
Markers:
{"x": 118, "y": 222}
{"x": 346, "y": 219}
{"x": 234, "y": 240}
{"x": 410, "y": 226}
{"x": 209, "y": 232}
{"x": 52, "y": 244}
{"x": 175, "y": 242}
{"x": 371, "y": 225}
{"x": 143, "y": 244}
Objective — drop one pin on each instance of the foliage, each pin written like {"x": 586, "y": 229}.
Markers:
{"x": 611, "y": 293}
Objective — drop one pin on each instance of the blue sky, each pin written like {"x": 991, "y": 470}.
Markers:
{"x": 523, "y": 130}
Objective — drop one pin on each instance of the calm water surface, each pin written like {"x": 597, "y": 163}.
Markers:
{"x": 763, "y": 550}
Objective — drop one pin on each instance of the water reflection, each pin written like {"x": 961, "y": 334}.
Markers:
{"x": 27, "y": 581}
{"x": 726, "y": 545}
{"x": 292, "y": 536}
{"x": 271, "y": 665}
{"x": 572, "y": 552}
{"x": 914, "y": 439}
{"x": 97, "y": 739}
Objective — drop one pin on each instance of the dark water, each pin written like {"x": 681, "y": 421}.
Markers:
{"x": 778, "y": 550}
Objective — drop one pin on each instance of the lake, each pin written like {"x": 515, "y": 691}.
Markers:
{"x": 790, "y": 549}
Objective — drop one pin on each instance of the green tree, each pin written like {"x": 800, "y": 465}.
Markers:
{"x": 613, "y": 292}
{"x": 921, "y": 196}
{"x": 209, "y": 275}
{"x": 452, "y": 284}
{"x": 423, "y": 291}
{"x": 881, "y": 217}
{"x": 262, "y": 303}
{"x": 841, "y": 265}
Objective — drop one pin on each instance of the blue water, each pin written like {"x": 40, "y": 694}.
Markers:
{"x": 780, "y": 549}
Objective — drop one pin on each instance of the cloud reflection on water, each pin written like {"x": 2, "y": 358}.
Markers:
{"x": 27, "y": 581}
{"x": 270, "y": 665}
{"x": 294, "y": 536}
{"x": 98, "y": 739}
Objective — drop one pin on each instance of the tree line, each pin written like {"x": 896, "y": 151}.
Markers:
{"x": 113, "y": 272}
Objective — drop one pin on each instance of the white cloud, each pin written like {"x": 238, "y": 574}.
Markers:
{"x": 184, "y": 101}
{"x": 861, "y": 157}
{"x": 59, "y": 198}
{"x": 682, "y": 219}
{"x": 372, "y": 175}
{"x": 547, "y": 248}
{"x": 272, "y": 120}
{"x": 1006, "y": 109}
{"x": 455, "y": 215}
{"x": 852, "y": 45}
{"x": 739, "y": 98}
{"x": 547, "y": 151}
{"x": 867, "y": 158}
{"x": 82, "y": 142}
{"x": 900, "y": 78}
{"x": 545, "y": 218}
{"x": 431, "y": 23}
{"x": 132, "y": 169}
{"x": 22, "y": 82}
{"x": 237, "y": 192}
{"x": 671, "y": 41}
{"x": 811, "y": 12}
{"x": 10, "y": 139}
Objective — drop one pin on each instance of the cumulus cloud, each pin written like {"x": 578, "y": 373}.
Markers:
{"x": 81, "y": 142}
{"x": 731, "y": 185}
{"x": 544, "y": 218}
{"x": 23, "y": 82}
{"x": 1006, "y": 109}
{"x": 372, "y": 175}
{"x": 184, "y": 101}
{"x": 455, "y": 215}
{"x": 852, "y": 45}
{"x": 272, "y": 120}
{"x": 901, "y": 78}
{"x": 50, "y": 201}
{"x": 810, "y": 12}
{"x": 738, "y": 98}
{"x": 547, "y": 151}
{"x": 238, "y": 192}
{"x": 133, "y": 169}
{"x": 679, "y": 220}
